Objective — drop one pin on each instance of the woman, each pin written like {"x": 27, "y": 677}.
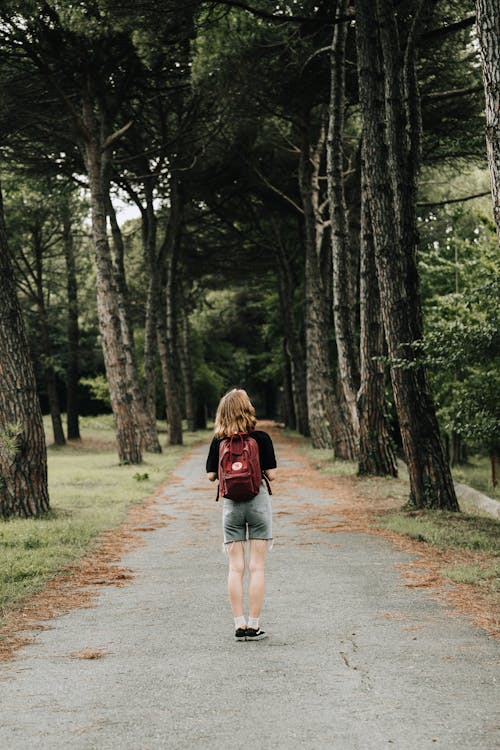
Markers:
{"x": 244, "y": 519}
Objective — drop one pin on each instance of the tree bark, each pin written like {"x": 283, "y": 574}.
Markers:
{"x": 166, "y": 317}
{"x": 318, "y": 372}
{"x": 23, "y": 454}
{"x": 144, "y": 420}
{"x": 390, "y": 134}
{"x": 186, "y": 367}
{"x": 73, "y": 366}
{"x": 343, "y": 303}
{"x": 376, "y": 452}
{"x": 488, "y": 29}
{"x": 96, "y": 161}
{"x": 293, "y": 345}
{"x": 288, "y": 405}
{"x": 149, "y": 224}
{"x": 49, "y": 372}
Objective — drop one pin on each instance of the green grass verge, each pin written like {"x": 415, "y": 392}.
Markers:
{"x": 477, "y": 474}
{"x": 444, "y": 529}
{"x": 90, "y": 493}
{"x": 486, "y": 577}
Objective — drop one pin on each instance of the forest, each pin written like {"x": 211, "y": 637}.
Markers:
{"x": 299, "y": 198}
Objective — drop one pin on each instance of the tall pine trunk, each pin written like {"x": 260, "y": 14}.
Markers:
{"x": 144, "y": 420}
{"x": 488, "y": 29}
{"x": 48, "y": 368}
{"x": 73, "y": 331}
{"x": 23, "y": 454}
{"x": 293, "y": 345}
{"x": 166, "y": 316}
{"x": 186, "y": 366}
{"x": 95, "y": 152}
{"x": 149, "y": 237}
{"x": 343, "y": 302}
{"x": 318, "y": 371}
{"x": 288, "y": 404}
{"x": 391, "y": 136}
{"x": 376, "y": 452}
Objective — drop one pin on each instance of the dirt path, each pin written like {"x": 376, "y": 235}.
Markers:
{"x": 356, "y": 659}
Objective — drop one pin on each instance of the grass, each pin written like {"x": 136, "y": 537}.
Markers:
{"x": 477, "y": 474}
{"x": 90, "y": 493}
{"x": 444, "y": 529}
{"x": 487, "y": 577}
{"x": 322, "y": 458}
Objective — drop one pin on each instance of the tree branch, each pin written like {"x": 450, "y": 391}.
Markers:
{"x": 431, "y": 204}
{"x": 450, "y": 28}
{"x": 117, "y": 134}
{"x": 278, "y": 191}
{"x": 439, "y": 95}
{"x": 269, "y": 16}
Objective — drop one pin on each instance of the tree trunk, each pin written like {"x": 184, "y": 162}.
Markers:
{"x": 186, "y": 368}
{"x": 318, "y": 372}
{"x": 343, "y": 303}
{"x": 50, "y": 382}
{"x": 376, "y": 452}
{"x": 288, "y": 406}
{"x": 128, "y": 439}
{"x": 23, "y": 454}
{"x": 166, "y": 317}
{"x": 49, "y": 372}
{"x": 149, "y": 223}
{"x": 292, "y": 342}
{"x": 73, "y": 367}
{"x": 144, "y": 420}
{"x": 459, "y": 449}
{"x": 390, "y": 135}
{"x": 488, "y": 30}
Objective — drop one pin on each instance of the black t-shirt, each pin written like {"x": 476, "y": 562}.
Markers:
{"x": 266, "y": 452}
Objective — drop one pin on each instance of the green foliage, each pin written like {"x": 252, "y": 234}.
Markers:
{"x": 10, "y": 440}
{"x": 99, "y": 388}
{"x": 461, "y": 283}
{"x": 232, "y": 342}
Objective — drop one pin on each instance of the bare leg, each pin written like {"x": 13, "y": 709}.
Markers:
{"x": 236, "y": 556}
{"x": 258, "y": 549}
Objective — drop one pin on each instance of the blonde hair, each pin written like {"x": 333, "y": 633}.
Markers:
{"x": 235, "y": 413}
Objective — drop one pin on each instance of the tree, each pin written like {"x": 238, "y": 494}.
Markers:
{"x": 488, "y": 27}
{"x": 23, "y": 456}
{"x": 391, "y": 134}
{"x": 376, "y": 451}
{"x": 73, "y": 328}
{"x": 344, "y": 301}
{"x": 34, "y": 229}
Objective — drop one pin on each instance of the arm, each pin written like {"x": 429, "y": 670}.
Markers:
{"x": 212, "y": 460}
{"x": 270, "y": 474}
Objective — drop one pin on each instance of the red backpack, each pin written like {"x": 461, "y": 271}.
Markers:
{"x": 240, "y": 474}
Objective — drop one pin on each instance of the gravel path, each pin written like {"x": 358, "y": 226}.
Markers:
{"x": 355, "y": 661}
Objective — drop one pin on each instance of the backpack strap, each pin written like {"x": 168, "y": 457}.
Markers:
{"x": 267, "y": 483}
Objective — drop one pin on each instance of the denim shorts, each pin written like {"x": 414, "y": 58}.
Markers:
{"x": 248, "y": 519}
